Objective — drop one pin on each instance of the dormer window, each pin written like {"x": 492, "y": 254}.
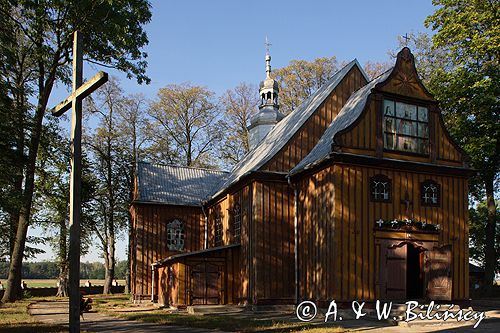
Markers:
{"x": 406, "y": 127}
{"x": 430, "y": 193}
{"x": 380, "y": 188}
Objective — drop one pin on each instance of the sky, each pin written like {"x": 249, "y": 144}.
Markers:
{"x": 218, "y": 44}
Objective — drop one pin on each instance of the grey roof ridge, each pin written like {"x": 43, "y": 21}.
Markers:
{"x": 182, "y": 166}
{"x": 306, "y": 108}
{"x": 331, "y": 131}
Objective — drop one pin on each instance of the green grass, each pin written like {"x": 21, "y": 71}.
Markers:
{"x": 230, "y": 323}
{"x": 121, "y": 307}
{"x": 15, "y": 319}
{"x": 49, "y": 283}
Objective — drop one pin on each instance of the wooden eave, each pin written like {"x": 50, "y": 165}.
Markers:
{"x": 370, "y": 161}
{"x": 200, "y": 253}
{"x": 258, "y": 175}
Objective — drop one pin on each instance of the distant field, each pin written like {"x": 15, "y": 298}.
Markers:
{"x": 44, "y": 283}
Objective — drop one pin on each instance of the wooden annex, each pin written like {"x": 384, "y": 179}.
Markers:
{"x": 358, "y": 194}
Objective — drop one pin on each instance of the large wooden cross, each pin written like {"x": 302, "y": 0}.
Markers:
{"x": 74, "y": 102}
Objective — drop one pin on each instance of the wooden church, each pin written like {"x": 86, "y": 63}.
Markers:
{"x": 358, "y": 194}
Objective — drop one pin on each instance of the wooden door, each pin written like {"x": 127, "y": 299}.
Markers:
{"x": 393, "y": 270}
{"x": 438, "y": 270}
{"x": 205, "y": 282}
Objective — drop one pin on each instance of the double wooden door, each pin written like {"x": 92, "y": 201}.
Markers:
{"x": 205, "y": 284}
{"x": 395, "y": 272}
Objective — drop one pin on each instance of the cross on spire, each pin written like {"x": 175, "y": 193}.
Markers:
{"x": 406, "y": 38}
{"x": 267, "y": 44}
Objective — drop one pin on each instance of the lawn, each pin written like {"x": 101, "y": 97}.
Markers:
{"x": 49, "y": 283}
{"x": 245, "y": 322}
{"x": 15, "y": 319}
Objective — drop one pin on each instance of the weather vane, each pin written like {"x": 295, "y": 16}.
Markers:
{"x": 267, "y": 45}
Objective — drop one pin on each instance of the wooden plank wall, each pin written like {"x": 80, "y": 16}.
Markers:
{"x": 308, "y": 136}
{"x": 273, "y": 252}
{"x": 445, "y": 150}
{"x": 225, "y": 207}
{"x": 149, "y": 238}
{"x": 345, "y": 267}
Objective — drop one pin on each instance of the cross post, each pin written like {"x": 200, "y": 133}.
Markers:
{"x": 74, "y": 101}
{"x": 406, "y": 38}
{"x": 267, "y": 44}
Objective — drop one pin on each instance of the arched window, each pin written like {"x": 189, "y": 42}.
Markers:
{"x": 175, "y": 235}
{"x": 237, "y": 222}
{"x": 430, "y": 193}
{"x": 218, "y": 229}
{"x": 380, "y": 188}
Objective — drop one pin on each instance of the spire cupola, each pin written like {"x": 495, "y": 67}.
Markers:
{"x": 268, "y": 115}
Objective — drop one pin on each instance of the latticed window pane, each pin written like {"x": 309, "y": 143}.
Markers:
{"x": 430, "y": 193}
{"x": 218, "y": 230}
{"x": 406, "y": 127}
{"x": 237, "y": 222}
{"x": 175, "y": 235}
{"x": 380, "y": 188}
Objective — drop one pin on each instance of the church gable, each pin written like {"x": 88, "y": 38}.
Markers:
{"x": 392, "y": 117}
{"x": 305, "y": 138}
{"x": 404, "y": 80}
{"x": 273, "y": 152}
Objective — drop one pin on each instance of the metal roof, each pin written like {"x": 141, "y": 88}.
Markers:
{"x": 176, "y": 185}
{"x": 277, "y": 138}
{"x": 347, "y": 116}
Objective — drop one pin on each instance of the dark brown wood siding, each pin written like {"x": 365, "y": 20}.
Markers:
{"x": 273, "y": 243}
{"x": 225, "y": 207}
{"x": 337, "y": 255}
{"x": 309, "y": 134}
{"x": 148, "y": 243}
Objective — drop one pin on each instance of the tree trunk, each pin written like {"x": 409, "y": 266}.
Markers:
{"x": 13, "y": 291}
{"x": 490, "y": 254}
{"x": 110, "y": 266}
{"x": 62, "y": 289}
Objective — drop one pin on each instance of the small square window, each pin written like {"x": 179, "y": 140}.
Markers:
{"x": 430, "y": 193}
{"x": 380, "y": 188}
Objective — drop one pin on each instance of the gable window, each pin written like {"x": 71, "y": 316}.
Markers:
{"x": 380, "y": 188}
{"x": 406, "y": 127}
{"x": 237, "y": 222}
{"x": 218, "y": 229}
{"x": 430, "y": 193}
{"x": 175, "y": 235}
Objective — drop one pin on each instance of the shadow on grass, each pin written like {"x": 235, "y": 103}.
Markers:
{"x": 32, "y": 328}
{"x": 229, "y": 323}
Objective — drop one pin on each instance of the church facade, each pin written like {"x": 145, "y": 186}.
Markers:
{"x": 358, "y": 194}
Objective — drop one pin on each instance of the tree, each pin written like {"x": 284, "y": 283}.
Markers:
{"x": 468, "y": 90}
{"x": 190, "y": 118}
{"x": 110, "y": 168}
{"x": 301, "y": 78}
{"x": 46, "y": 26}
{"x": 131, "y": 125}
{"x": 51, "y": 207}
{"x": 477, "y": 217}
{"x": 374, "y": 69}
{"x": 239, "y": 105}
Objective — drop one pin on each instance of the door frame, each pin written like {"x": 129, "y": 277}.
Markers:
{"x": 424, "y": 240}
